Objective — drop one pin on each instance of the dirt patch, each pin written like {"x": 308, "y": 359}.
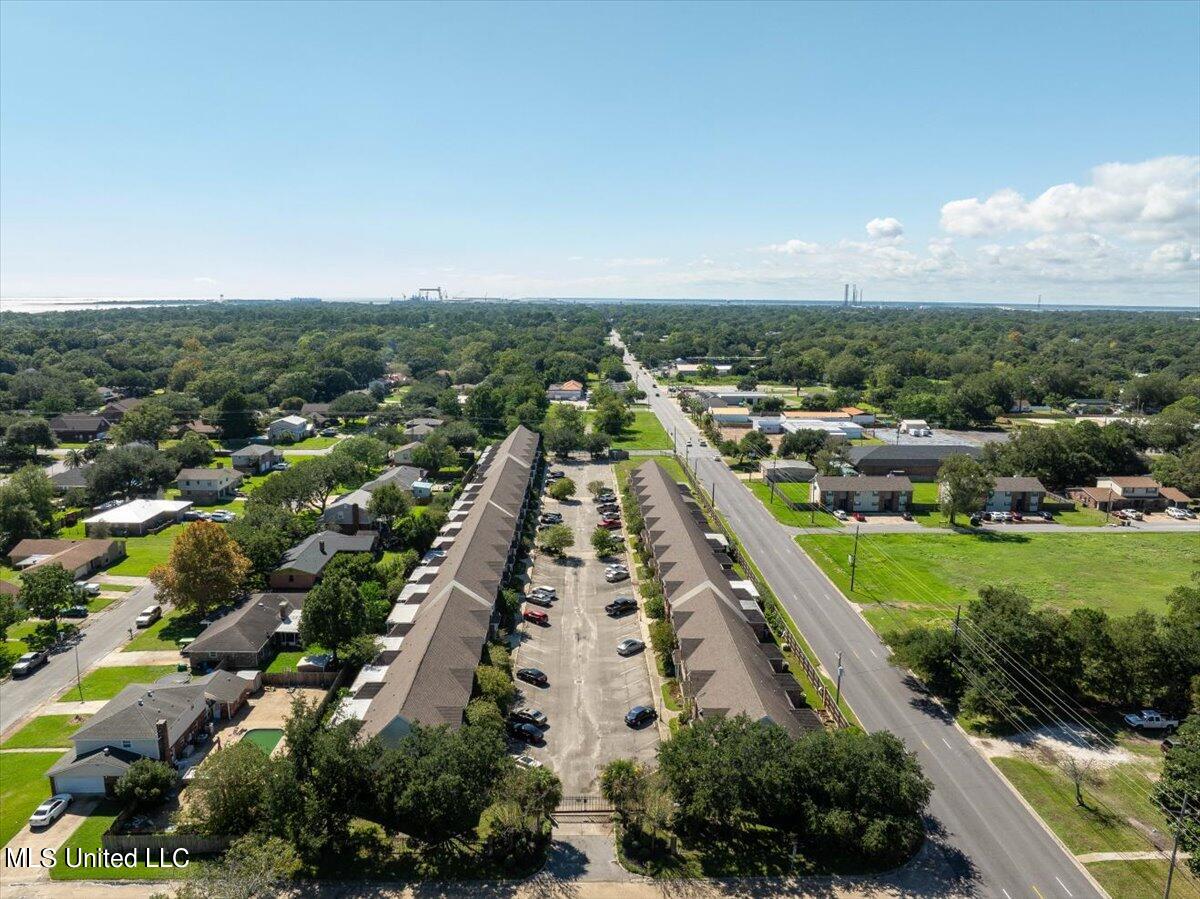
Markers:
{"x": 1061, "y": 739}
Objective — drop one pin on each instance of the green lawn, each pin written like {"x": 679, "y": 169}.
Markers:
{"x": 1103, "y": 825}
{"x": 107, "y": 682}
{"x": 784, "y": 514}
{"x": 45, "y": 731}
{"x": 23, "y": 786}
{"x": 646, "y": 433}
{"x": 164, "y": 633}
{"x": 309, "y": 443}
{"x": 903, "y": 577}
{"x": 87, "y": 839}
{"x": 671, "y": 464}
{"x": 1136, "y": 880}
{"x": 1082, "y": 516}
{"x": 287, "y": 661}
{"x": 116, "y": 588}
{"x": 143, "y": 553}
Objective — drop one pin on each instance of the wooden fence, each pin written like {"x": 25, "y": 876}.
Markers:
{"x": 299, "y": 678}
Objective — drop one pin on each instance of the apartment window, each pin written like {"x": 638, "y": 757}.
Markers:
{"x": 126, "y": 744}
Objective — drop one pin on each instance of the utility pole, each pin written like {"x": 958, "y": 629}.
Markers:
{"x": 714, "y": 494}
{"x": 78, "y": 679}
{"x": 957, "y": 618}
{"x": 854, "y": 559}
{"x": 838, "y": 695}
{"x": 1175, "y": 846}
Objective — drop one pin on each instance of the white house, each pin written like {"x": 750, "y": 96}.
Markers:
{"x": 294, "y": 425}
{"x": 917, "y": 427}
{"x": 137, "y": 518}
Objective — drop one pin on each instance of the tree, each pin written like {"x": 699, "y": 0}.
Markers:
{"x": 148, "y": 423}
{"x": 367, "y": 453}
{"x": 230, "y": 800}
{"x": 9, "y": 615}
{"x": 26, "y": 507}
{"x": 205, "y": 569}
{"x": 755, "y": 445}
{"x": 1180, "y": 776}
{"x": 334, "y": 614}
{"x": 389, "y": 503}
{"x": 129, "y": 471}
{"x": 1080, "y": 771}
{"x": 536, "y": 792}
{"x": 803, "y": 444}
{"x": 263, "y": 533}
{"x": 192, "y": 451}
{"x": 496, "y": 685}
{"x": 74, "y": 459}
{"x": 253, "y": 867}
{"x": 606, "y": 543}
{"x": 32, "y": 432}
{"x": 434, "y": 454}
{"x": 47, "y": 591}
{"x": 562, "y": 489}
{"x": 556, "y": 540}
{"x": 146, "y": 782}
{"x": 596, "y": 487}
{"x": 965, "y": 485}
{"x": 611, "y": 417}
{"x": 235, "y": 416}
{"x": 623, "y": 782}
{"x": 352, "y": 405}
{"x": 596, "y": 444}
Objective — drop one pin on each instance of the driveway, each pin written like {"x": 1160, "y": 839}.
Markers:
{"x": 51, "y": 837}
{"x": 591, "y": 687}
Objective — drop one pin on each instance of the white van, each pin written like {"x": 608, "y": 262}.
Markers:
{"x": 148, "y": 616}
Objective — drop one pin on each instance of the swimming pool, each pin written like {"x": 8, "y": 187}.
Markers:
{"x": 265, "y": 738}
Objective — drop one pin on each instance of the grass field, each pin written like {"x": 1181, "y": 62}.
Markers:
{"x": 625, "y": 466}
{"x": 23, "y": 786}
{"x": 46, "y": 731}
{"x": 143, "y": 553}
{"x": 784, "y": 514}
{"x": 87, "y": 839}
{"x": 164, "y": 633}
{"x": 646, "y": 433}
{"x": 287, "y": 661}
{"x": 309, "y": 443}
{"x": 1136, "y": 880}
{"x": 904, "y": 577}
{"x": 107, "y": 682}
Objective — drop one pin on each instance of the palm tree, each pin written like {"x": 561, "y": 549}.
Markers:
{"x": 74, "y": 459}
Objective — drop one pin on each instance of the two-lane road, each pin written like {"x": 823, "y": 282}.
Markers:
{"x": 984, "y": 841}
{"x": 104, "y": 633}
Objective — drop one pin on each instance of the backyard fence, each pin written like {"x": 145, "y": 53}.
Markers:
{"x": 166, "y": 843}
{"x": 299, "y": 678}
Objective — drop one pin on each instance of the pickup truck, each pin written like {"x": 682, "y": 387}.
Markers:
{"x": 1149, "y": 719}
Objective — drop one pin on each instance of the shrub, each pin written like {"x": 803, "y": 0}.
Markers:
{"x": 654, "y": 607}
{"x": 147, "y": 782}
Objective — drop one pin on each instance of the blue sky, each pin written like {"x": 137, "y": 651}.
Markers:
{"x": 709, "y": 150}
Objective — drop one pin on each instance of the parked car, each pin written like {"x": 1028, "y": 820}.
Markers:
{"x": 704, "y": 443}
{"x": 622, "y": 605}
{"x": 1151, "y": 719}
{"x": 529, "y": 716}
{"x": 1131, "y": 514}
{"x": 281, "y": 466}
{"x": 536, "y": 616}
{"x": 906, "y": 515}
{"x": 527, "y": 761}
{"x": 1181, "y": 514}
{"x": 540, "y": 599}
{"x": 75, "y": 612}
{"x": 610, "y": 524}
{"x": 526, "y": 732}
{"x": 605, "y": 498}
{"x": 224, "y": 517}
{"x": 29, "y": 663}
{"x": 609, "y": 509}
{"x": 533, "y": 676}
{"x": 87, "y": 587}
{"x": 148, "y": 616}
{"x": 1045, "y": 516}
{"x": 616, "y": 566}
{"x": 630, "y": 646}
{"x": 640, "y": 715}
{"x": 550, "y": 518}
{"x": 858, "y": 516}
{"x": 50, "y": 810}
{"x": 196, "y": 515}
{"x": 554, "y": 474}
{"x": 329, "y": 432}
{"x": 614, "y": 577}
{"x": 544, "y": 588}
{"x": 976, "y": 521}
{"x": 840, "y": 515}
{"x": 1016, "y": 516}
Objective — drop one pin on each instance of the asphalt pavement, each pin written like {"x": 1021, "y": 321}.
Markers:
{"x": 101, "y": 634}
{"x": 983, "y": 840}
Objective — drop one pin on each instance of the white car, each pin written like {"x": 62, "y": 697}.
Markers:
{"x": 50, "y": 810}
{"x": 542, "y": 588}
{"x": 89, "y": 588}
{"x": 1181, "y": 514}
{"x": 840, "y": 515}
{"x": 527, "y": 761}
{"x": 1131, "y": 514}
{"x": 223, "y": 517}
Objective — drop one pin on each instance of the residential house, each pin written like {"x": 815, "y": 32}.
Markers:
{"x": 403, "y": 455}
{"x": 785, "y": 471}
{"x": 250, "y": 635}
{"x": 921, "y": 461}
{"x": 917, "y": 427}
{"x": 863, "y": 493}
{"x": 567, "y": 390}
{"x": 726, "y": 660}
{"x": 117, "y": 410}
{"x": 154, "y": 721}
{"x": 71, "y": 479}
{"x": 317, "y": 413}
{"x": 442, "y": 618}
{"x": 1090, "y": 406}
{"x": 1013, "y": 495}
{"x": 76, "y": 428}
{"x": 290, "y": 426}
{"x": 303, "y": 564}
{"x": 418, "y": 431}
{"x": 422, "y": 489}
{"x": 1136, "y": 492}
{"x": 859, "y": 416}
{"x": 137, "y": 518}
{"x": 350, "y": 512}
{"x": 81, "y": 558}
{"x": 208, "y": 486}
{"x": 196, "y": 426}
{"x": 256, "y": 458}
{"x": 427, "y": 422}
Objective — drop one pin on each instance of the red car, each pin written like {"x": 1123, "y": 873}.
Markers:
{"x": 612, "y": 524}
{"x": 537, "y": 616}
{"x": 858, "y": 516}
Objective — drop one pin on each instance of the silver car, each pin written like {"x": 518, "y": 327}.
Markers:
{"x": 630, "y": 646}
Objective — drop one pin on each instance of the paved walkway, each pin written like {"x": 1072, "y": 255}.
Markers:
{"x": 141, "y": 657}
{"x": 74, "y": 708}
{"x": 1088, "y": 857}
{"x": 125, "y": 579}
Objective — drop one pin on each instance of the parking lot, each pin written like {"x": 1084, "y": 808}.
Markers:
{"x": 590, "y": 687}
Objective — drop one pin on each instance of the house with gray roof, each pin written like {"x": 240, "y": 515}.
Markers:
{"x": 255, "y": 458}
{"x": 920, "y": 462}
{"x": 303, "y": 564}
{"x": 208, "y": 485}
{"x": 727, "y": 662}
{"x": 250, "y": 635}
{"x": 862, "y": 493}
{"x": 442, "y": 618}
{"x": 154, "y": 721}
{"x": 71, "y": 478}
{"x": 350, "y": 512}
{"x": 75, "y": 428}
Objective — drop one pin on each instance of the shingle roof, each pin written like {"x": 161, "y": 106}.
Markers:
{"x": 430, "y": 679}
{"x": 1133, "y": 481}
{"x": 1019, "y": 485}
{"x": 312, "y": 554}
{"x": 71, "y": 478}
{"x": 107, "y": 761}
{"x": 254, "y": 449}
{"x": 911, "y": 452}
{"x": 70, "y": 422}
{"x": 859, "y": 483}
{"x": 208, "y": 474}
{"x": 70, "y": 554}
{"x": 248, "y": 628}
{"x": 403, "y": 476}
{"x": 728, "y": 670}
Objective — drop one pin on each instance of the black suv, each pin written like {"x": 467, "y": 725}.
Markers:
{"x": 622, "y": 605}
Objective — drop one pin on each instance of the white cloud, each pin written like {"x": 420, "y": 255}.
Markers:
{"x": 884, "y": 228}
{"x": 637, "y": 262}
{"x": 1138, "y": 201}
{"x": 204, "y": 280}
{"x": 793, "y": 247}
{"x": 1177, "y": 256}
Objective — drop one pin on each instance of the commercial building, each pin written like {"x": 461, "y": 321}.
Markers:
{"x": 727, "y": 662}
{"x": 921, "y": 462}
{"x": 443, "y": 616}
{"x": 137, "y": 518}
{"x": 863, "y": 493}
